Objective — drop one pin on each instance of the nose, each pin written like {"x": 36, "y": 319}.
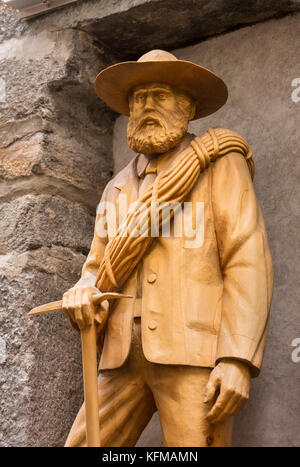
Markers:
{"x": 149, "y": 104}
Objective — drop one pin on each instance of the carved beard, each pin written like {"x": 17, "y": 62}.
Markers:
{"x": 165, "y": 132}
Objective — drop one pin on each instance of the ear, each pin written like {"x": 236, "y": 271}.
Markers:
{"x": 192, "y": 110}
{"x": 130, "y": 101}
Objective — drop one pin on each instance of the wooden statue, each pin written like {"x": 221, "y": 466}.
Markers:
{"x": 179, "y": 233}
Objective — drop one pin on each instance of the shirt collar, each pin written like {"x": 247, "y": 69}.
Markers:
{"x": 146, "y": 165}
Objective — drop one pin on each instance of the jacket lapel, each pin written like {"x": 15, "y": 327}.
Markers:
{"x": 127, "y": 182}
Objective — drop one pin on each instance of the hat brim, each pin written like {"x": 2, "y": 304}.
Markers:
{"x": 114, "y": 84}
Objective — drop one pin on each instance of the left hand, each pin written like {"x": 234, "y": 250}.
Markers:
{"x": 232, "y": 378}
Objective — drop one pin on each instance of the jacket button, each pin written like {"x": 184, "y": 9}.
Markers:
{"x": 152, "y": 324}
{"x": 152, "y": 278}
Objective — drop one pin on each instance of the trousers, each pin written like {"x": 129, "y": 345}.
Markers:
{"x": 129, "y": 396}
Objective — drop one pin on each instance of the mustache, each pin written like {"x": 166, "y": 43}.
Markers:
{"x": 150, "y": 116}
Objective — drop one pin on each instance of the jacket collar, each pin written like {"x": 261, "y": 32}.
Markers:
{"x": 127, "y": 180}
{"x": 145, "y": 165}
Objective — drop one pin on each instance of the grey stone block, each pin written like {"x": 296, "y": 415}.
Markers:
{"x": 31, "y": 222}
{"x": 42, "y": 353}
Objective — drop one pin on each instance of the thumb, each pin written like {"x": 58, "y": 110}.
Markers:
{"x": 105, "y": 305}
{"x": 211, "y": 388}
{"x": 102, "y": 312}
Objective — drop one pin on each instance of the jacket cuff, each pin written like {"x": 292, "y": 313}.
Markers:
{"x": 239, "y": 347}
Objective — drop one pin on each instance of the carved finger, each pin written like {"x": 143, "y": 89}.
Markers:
{"x": 105, "y": 305}
{"x": 71, "y": 300}
{"x": 228, "y": 409}
{"x": 87, "y": 313}
{"x": 65, "y": 301}
{"x": 77, "y": 309}
{"x": 219, "y": 405}
{"x": 238, "y": 405}
{"x": 101, "y": 316}
{"x": 66, "y": 307}
{"x": 79, "y": 318}
{"x": 211, "y": 388}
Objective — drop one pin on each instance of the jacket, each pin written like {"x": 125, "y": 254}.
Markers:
{"x": 201, "y": 303}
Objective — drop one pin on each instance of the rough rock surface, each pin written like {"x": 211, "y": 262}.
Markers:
{"x": 52, "y": 124}
{"x": 37, "y": 406}
{"x": 30, "y": 222}
{"x": 55, "y": 159}
{"x": 129, "y": 27}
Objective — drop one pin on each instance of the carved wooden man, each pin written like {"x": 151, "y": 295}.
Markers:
{"x": 189, "y": 341}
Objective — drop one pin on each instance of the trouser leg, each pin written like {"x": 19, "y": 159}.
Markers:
{"x": 126, "y": 405}
{"x": 179, "y": 394}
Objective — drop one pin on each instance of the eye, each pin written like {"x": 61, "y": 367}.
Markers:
{"x": 162, "y": 96}
{"x": 139, "y": 98}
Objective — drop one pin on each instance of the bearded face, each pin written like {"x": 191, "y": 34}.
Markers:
{"x": 159, "y": 117}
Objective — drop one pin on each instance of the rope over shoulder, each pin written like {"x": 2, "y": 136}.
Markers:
{"x": 215, "y": 143}
{"x": 133, "y": 237}
{"x": 202, "y": 153}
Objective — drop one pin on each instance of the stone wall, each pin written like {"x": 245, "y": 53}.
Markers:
{"x": 56, "y": 157}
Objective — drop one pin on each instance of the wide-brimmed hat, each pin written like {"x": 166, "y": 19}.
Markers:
{"x": 114, "y": 84}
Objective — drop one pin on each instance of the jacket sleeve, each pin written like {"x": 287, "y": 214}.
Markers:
{"x": 94, "y": 258}
{"x": 245, "y": 262}
{"x": 100, "y": 240}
